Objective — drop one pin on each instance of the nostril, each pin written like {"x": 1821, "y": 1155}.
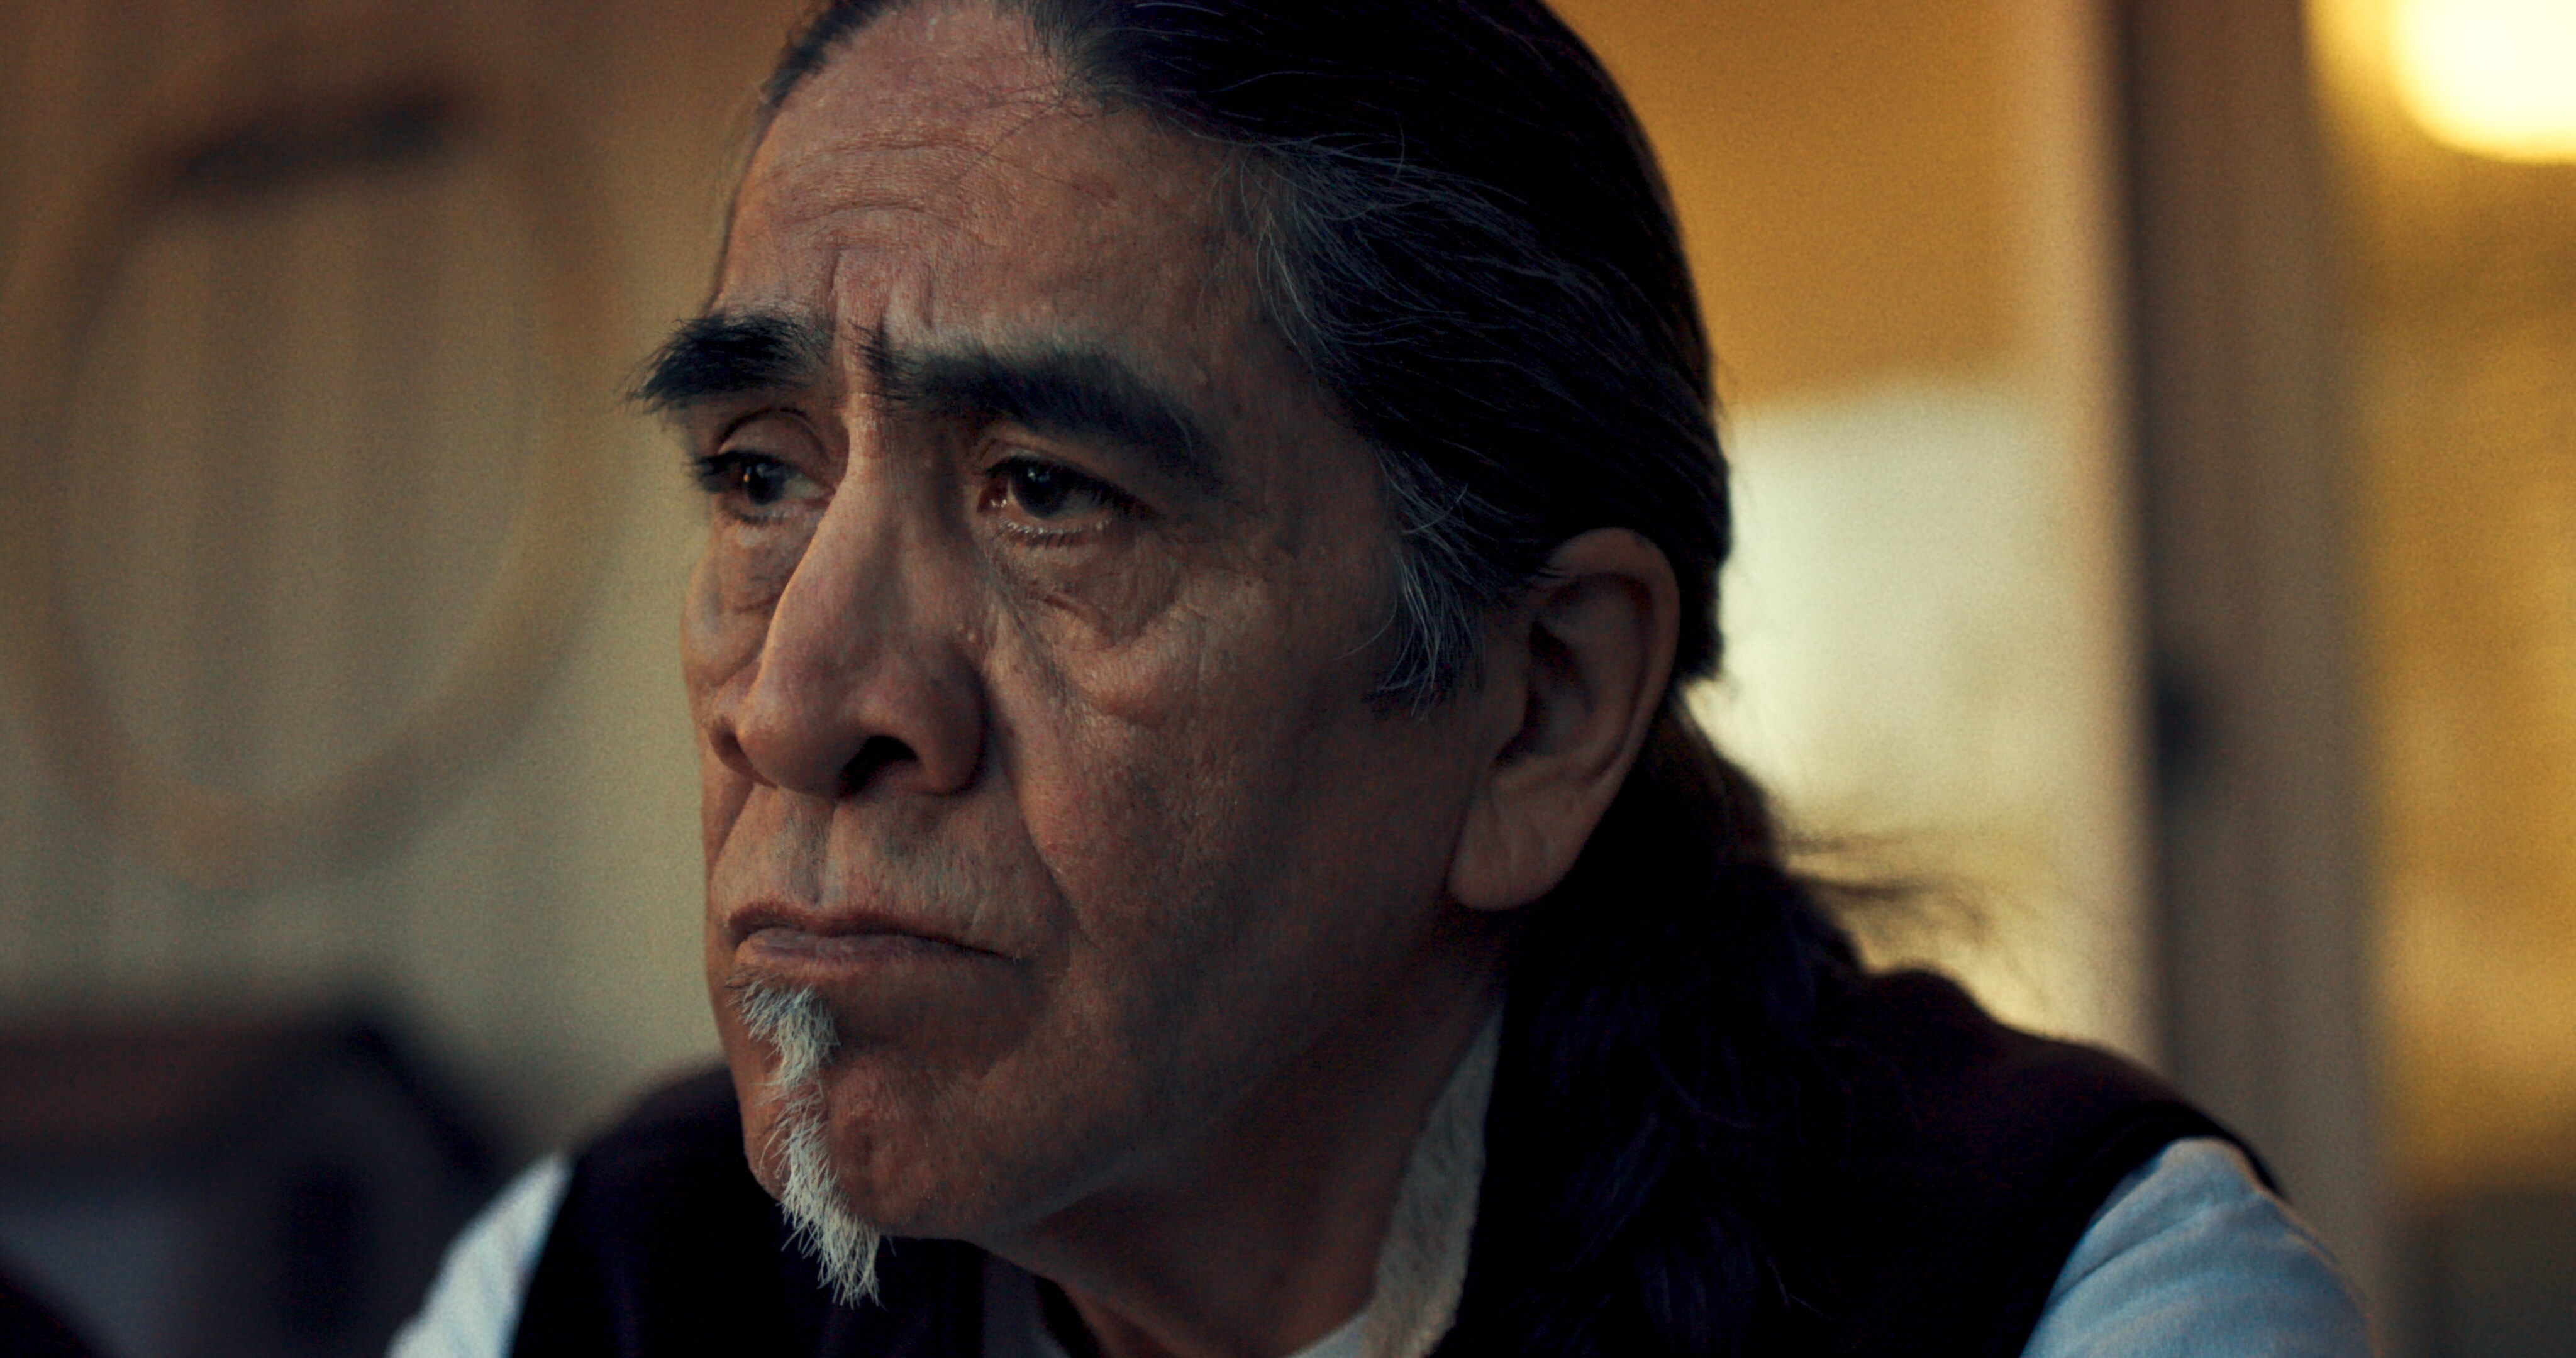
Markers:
{"x": 875, "y": 756}
{"x": 729, "y": 752}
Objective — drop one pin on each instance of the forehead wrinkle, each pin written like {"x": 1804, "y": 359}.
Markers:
{"x": 944, "y": 163}
{"x": 908, "y": 39}
{"x": 1102, "y": 124}
{"x": 913, "y": 105}
{"x": 852, "y": 185}
{"x": 920, "y": 95}
{"x": 890, "y": 311}
{"x": 848, "y": 193}
{"x": 989, "y": 151}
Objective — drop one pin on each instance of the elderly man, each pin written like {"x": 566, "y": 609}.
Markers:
{"x": 1210, "y": 505}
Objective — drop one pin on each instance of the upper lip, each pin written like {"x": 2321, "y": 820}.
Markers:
{"x": 744, "y": 921}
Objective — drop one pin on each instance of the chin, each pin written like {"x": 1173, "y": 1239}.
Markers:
{"x": 892, "y": 1154}
{"x": 982, "y": 1159}
{"x": 951, "y": 1125}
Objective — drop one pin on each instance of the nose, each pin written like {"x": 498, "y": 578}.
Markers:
{"x": 861, "y": 681}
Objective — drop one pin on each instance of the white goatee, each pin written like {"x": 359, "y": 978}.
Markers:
{"x": 795, "y": 1022}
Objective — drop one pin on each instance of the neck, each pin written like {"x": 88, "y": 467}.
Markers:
{"x": 1265, "y": 1235}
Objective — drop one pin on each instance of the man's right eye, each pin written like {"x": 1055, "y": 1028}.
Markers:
{"x": 753, "y": 482}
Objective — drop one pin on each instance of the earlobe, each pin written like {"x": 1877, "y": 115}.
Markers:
{"x": 1493, "y": 863}
{"x": 1583, "y": 659}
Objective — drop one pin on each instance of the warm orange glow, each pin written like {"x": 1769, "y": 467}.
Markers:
{"x": 2493, "y": 77}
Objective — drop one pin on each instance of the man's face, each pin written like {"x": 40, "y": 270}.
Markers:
{"x": 1031, "y": 648}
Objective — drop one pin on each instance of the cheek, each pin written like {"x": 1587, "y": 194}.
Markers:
{"x": 1175, "y": 780}
{"x": 1201, "y": 852}
{"x": 1206, "y": 645}
{"x": 1157, "y": 752}
{"x": 721, "y": 795}
{"x": 1085, "y": 602}
{"x": 718, "y": 634}
{"x": 743, "y": 570}
{"x": 717, "y": 646}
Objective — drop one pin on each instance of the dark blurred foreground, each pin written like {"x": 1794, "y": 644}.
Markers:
{"x": 279, "y": 1188}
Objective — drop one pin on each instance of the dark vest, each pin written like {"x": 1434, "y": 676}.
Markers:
{"x": 1980, "y": 1154}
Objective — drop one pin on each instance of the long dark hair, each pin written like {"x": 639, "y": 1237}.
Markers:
{"x": 1460, "y": 230}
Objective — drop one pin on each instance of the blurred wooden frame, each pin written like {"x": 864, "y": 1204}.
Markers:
{"x": 2263, "y": 840}
{"x": 243, "y": 112}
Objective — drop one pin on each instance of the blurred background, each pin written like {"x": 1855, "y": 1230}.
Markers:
{"x": 2155, "y": 437}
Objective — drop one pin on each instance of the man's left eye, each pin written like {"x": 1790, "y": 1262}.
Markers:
{"x": 1047, "y": 498}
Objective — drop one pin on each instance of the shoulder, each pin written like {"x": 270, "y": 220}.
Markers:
{"x": 1977, "y": 1156}
{"x": 2192, "y": 1255}
{"x": 1951, "y": 1107}
{"x": 1948, "y": 1075}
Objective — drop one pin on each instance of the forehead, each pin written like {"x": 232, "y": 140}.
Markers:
{"x": 936, "y": 176}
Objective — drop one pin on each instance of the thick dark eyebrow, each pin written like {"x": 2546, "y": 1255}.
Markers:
{"x": 728, "y": 354}
{"x": 1072, "y": 392}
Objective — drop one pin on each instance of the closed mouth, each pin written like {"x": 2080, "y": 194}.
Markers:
{"x": 792, "y": 932}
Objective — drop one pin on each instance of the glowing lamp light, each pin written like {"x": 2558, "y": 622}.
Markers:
{"x": 2493, "y": 77}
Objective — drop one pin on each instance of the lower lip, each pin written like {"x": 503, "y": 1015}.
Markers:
{"x": 841, "y": 954}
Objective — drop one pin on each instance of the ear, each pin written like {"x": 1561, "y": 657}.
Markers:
{"x": 1573, "y": 676}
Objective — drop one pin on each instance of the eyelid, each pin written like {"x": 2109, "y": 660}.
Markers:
{"x": 1115, "y": 498}
{"x": 1113, "y": 510}
{"x": 997, "y": 453}
{"x": 714, "y": 471}
{"x": 794, "y": 419}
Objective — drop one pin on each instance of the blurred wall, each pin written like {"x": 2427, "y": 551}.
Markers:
{"x": 2459, "y": 289}
{"x": 2462, "y": 291}
{"x": 1901, "y": 215}
{"x": 300, "y": 448}
{"x": 1898, "y": 215}
{"x": 2245, "y": 511}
